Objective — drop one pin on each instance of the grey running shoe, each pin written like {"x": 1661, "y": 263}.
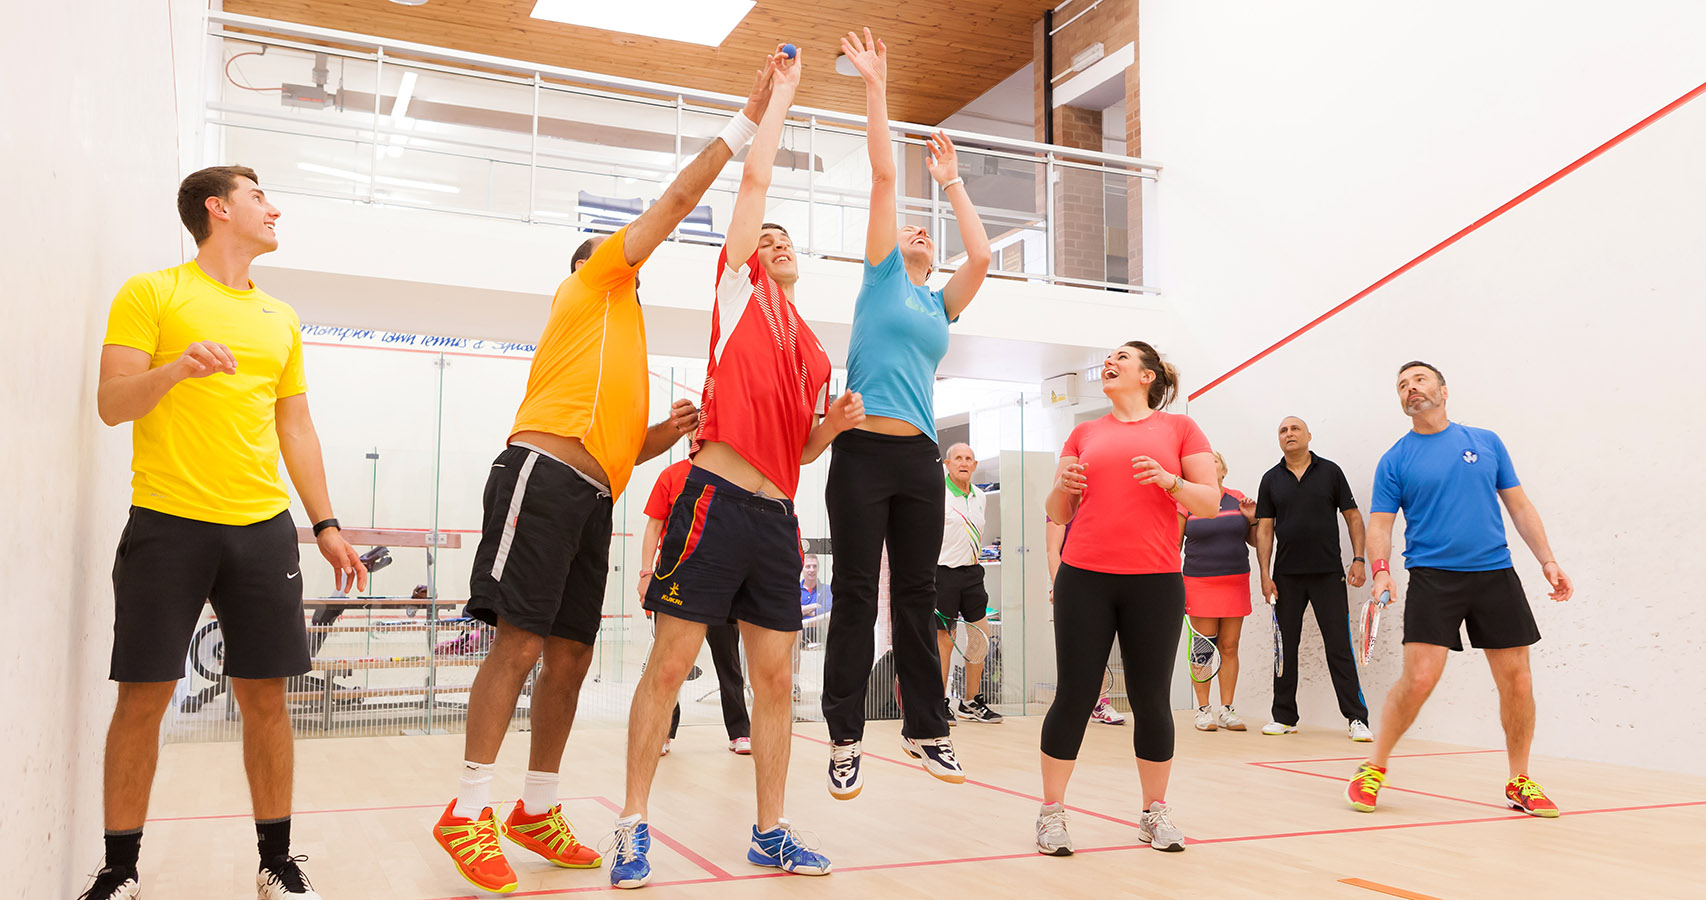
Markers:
{"x": 1230, "y": 721}
{"x": 1052, "y": 839}
{"x": 1158, "y": 829}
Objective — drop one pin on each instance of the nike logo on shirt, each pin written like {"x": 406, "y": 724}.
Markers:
{"x": 293, "y": 574}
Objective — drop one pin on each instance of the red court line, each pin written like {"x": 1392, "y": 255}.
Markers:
{"x": 913, "y": 765}
{"x": 1467, "y": 230}
{"x": 1343, "y": 779}
{"x": 717, "y": 873}
{"x": 1510, "y": 818}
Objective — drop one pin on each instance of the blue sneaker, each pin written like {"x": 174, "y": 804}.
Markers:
{"x": 627, "y": 850}
{"x": 781, "y": 848}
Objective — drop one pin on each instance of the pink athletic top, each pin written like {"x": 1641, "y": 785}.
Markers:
{"x": 1122, "y": 527}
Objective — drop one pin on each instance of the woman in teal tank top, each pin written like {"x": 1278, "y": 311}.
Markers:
{"x": 885, "y": 477}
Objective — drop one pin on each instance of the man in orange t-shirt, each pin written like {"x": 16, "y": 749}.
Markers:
{"x": 544, "y": 549}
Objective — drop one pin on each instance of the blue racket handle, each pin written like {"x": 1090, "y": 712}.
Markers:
{"x": 1385, "y": 597}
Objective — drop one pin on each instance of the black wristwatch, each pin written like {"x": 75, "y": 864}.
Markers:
{"x": 1358, "y": 559}
{"x": 325, "y": 524}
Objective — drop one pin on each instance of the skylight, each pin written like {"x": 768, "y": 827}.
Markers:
{"x": 706, "y": 22}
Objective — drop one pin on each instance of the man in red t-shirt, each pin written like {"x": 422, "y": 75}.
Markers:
{"x": 723, "y": 638}
{"x": 731, "y": 551}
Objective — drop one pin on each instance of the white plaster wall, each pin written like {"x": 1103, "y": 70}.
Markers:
{"x": 91, "y": 146}
{"x": 1313, "y": 148}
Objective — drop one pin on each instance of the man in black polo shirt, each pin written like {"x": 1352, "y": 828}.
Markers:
{"x": 1297, "y": 500}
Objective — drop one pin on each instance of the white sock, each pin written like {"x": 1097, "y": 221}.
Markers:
{"x": 538, "y": 792}
{"x": 474, "y": 793}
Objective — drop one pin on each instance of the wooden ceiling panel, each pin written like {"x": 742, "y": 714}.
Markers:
{"x": 942, "y": 53}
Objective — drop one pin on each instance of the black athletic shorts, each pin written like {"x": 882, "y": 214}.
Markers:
{"x": 544, "y": 548}
{"x": 728, "y": 555}
{"x": 1493, "y": 603}
{"x": 960, "y": 595}
{"x": 168, "y": 566}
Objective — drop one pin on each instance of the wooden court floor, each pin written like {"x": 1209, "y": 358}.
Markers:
{"x": 1264, "y": 813}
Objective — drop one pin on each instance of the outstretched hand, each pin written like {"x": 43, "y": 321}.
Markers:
{"x": 786, "y": 71}
{"x": 943, "y": 162}
{"x": 869, "y": 56}
{"x": 759, "y": 99}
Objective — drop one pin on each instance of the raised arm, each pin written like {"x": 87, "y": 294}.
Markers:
{"x": 1528, "y": 524}
{"x": 944, "y": 165}
{"x": 870, "y": 57}
{"x": 760, "y": 160}
{"x": 1069, "y": 481}
{"x": 299, "y": 444}
{"x": 684, "y": 193}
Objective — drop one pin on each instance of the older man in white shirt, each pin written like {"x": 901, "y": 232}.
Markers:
{"x": 960, "y": 594}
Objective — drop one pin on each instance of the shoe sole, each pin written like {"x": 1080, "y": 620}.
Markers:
{"x": 597, "y": 862}
{"x": 1537, "y": 813}
{"x": 1058, "y": 851}
{"x": 949, "y": 778}
{"x": 508, "y": 888}
{"x": 1108, "y": 722}
{"x": 1278, "y": 733}
{"x": 1236, "y": 727}
{"x": 847, "y": 796}
{"x": 1164, "y": 848}
{"x": 807, "y": 870}
{"x": 1208, "y": 727}
{"x": 1359, "y": 806}
{"x": 631, "y": 883}
{"x": 979, "y": 721}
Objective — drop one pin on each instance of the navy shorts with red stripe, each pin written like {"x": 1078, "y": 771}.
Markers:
{"x": 728, "y": 555}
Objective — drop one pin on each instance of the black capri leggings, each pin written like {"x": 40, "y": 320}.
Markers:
{"x": 1090, "y": 609}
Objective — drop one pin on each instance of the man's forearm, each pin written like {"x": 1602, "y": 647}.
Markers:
{"x": 1533, "y": 533}
{"x": 126, "y": 398}
{"x": 1353, "y": 521}
{"x": 821, "y": 437}
{"x": 302, "y": 458}
{"x": 1264, "y": 545}
{"x": 659, "y": 437}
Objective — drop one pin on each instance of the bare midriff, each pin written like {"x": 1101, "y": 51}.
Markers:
{"x": 569, "y": 450}
{"x": 724, "y": 462}
{"x": 889, "y": 425}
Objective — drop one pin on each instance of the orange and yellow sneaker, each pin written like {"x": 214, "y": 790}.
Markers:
{"x": 1365, "y": 786}
{"x": 1526, "y": 795}
{"x": 475, "y": 846}
{"x": 551, "y": 836}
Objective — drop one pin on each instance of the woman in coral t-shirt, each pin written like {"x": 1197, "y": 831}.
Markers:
{"x": 1120, "y": 482}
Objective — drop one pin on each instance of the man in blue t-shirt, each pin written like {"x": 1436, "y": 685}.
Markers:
{"x": 1448, "y": 480}
{"x": 815, "y": 603}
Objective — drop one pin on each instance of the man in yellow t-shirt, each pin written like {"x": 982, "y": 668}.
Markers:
{"x": 544, "y": 552}
{"x": 209, "y": 368}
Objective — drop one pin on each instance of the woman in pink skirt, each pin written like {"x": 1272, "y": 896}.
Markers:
{"x": 1217, "y": 589}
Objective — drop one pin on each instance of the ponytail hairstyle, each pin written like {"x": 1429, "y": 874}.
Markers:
{"x": 1165, "y": 387}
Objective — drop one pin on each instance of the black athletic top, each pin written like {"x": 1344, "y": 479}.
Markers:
{"x": 1305, "y": 513}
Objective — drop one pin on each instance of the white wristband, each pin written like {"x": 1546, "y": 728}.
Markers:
{"x": 739, "y": 132}
{"x": 952, "y": 183}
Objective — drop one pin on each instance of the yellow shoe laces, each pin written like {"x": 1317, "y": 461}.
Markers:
{"x": 475, "y": 842}
{"x": 1369, "y": 779}
{"x": 553, "y": 831}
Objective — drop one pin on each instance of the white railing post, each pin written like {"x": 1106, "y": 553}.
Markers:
{"x": 378, "y": 92}
{"x": 533, "y": 154}
{"x": 1048, "y": 216}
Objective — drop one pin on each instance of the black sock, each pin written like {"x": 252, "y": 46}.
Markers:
{"x": 273, "y": 838}
{"x": 123, "y": 847}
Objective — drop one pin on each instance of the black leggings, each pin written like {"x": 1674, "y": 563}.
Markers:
{"x": 884, "y": 486}
{"x": 1090, "y": 608}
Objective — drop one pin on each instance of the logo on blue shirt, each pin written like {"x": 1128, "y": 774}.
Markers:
{"x": 1470, "y": 457}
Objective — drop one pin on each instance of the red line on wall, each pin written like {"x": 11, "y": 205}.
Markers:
{"x": 1467, "y": 230}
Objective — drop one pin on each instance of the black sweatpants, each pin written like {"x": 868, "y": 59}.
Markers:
{"x": 1090, "y": 610}
{"x": 724, "y": 641}
{"x": 884, "y": 487}
{"x": 1325, "y": 592}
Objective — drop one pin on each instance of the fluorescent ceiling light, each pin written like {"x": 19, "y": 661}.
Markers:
{"x": 706, "y": 22}
{"x": 359, "y": 178}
